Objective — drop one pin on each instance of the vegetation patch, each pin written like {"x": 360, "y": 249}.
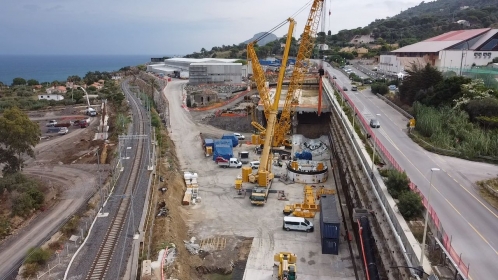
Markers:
{"x": 409, "y": 203}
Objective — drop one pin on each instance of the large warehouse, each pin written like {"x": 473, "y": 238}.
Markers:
{"x": 452, "y": 51}
{"x": 203, "y": 70}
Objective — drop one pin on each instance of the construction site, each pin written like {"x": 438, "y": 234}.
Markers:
{"x": 264, "y": 202}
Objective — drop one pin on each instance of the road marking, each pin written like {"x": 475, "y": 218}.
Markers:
{"x": 483, "y": 238}
{"x": 395, "y": 146}
{"x": 478, "y": 233}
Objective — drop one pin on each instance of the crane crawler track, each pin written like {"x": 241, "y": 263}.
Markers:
{"x": 102, "y": 261}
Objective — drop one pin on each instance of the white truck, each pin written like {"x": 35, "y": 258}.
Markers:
{"x": 225, "y": 163}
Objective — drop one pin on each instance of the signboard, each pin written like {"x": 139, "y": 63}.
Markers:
{"x": 412, "y": 122}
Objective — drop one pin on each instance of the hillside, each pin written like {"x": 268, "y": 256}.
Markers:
{"x": 269, "y": 38}
{"x": 427, "y": 20}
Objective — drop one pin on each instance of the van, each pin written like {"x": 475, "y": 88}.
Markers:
{"x": 354, "y": 88}
{"x": 297, "y": 223}
{"x": 254, "y": 164}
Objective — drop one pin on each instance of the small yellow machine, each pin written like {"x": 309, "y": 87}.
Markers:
{"x": 286, "y": 265}
{"x": 309, "y": 207}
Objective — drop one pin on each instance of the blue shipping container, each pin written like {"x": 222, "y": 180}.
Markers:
{"x": 222, "y": 148}
{"x": 208, "y": 142}
{"x": 231, "y": 136}
{"x": 330, "y": 246}
{"x": 330, "y": 223}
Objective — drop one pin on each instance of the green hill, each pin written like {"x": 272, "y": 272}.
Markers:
{"x": 426, "y": 20}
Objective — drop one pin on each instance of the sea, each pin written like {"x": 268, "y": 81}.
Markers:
{"x": 48, "y": 68}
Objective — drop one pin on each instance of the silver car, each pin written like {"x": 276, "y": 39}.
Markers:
{"x": 374, "y": 123}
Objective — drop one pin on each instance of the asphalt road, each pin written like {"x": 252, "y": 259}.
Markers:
{"x": 466, "y": 217}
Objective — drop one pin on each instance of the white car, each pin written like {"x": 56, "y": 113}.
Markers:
{"x": 63, "y": 131}
{"x": 254, "y": 164}
{"x": 239, "y": 136}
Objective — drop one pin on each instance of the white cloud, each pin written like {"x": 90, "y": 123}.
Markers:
{"x": 171, "y": 26}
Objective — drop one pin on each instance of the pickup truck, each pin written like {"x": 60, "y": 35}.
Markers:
{"x": 225, "y": 163}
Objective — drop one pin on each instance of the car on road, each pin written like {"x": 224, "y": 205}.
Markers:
{"x": 354, "y": 88}
{"x": 254, "y": 164}
{"x": 344, "y": 88}
{"x": 51, "y": 123}
{"x": 239, "y": 136}
{"x": 374, "y": 123}
{"x": 334, "y": 77}
{"x": 63, "y": 131}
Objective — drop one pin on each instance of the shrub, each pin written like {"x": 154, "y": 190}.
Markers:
{"x": 37, "y": 256}
{"x": 5, "y": 227}
{"x": 71, "y": 226}
{"x": 410, "y": 205}
{"x": 22, "y": 205}
{"x": 29, "y": 270}
{"x": 397, "y": 183}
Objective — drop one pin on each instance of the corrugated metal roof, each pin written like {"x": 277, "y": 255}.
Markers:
{"x": 427, "y": 46}
{"x": 458, "y": 35}
{"x": 484, "y": 38}
{"x": 328, "y": 209}
{"x": 196, "y": 60}
{"x": 214, "y": 63}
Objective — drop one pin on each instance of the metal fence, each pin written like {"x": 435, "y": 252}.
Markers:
{"x": 487, "y": 74}
{"x": 437, "y": 229}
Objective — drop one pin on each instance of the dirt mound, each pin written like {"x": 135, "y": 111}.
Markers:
{"x": 239, "y": 124}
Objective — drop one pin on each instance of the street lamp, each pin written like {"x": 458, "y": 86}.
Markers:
{"x": 373, "y": 153}
{"x": 427, "y": 218}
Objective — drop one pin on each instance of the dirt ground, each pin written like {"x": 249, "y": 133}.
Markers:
{"x": 67, "y": 167}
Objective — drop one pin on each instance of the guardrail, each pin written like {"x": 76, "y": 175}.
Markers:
{"x": 437, "y": 229}
{"x": 396, "y": 107}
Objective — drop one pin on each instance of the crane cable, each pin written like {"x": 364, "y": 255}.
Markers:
{"x": 283, "y": 22}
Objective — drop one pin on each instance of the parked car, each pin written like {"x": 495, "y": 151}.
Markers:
{"x": 374, "y": 123}
{"x": 51, "y": 123}
{"x": 392, "y": 87}
{"x": 239, "y": 136}
{"x": 63, "y": 130}
{"x": 254, "y": 164}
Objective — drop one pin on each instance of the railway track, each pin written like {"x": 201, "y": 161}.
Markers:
{"x": 101, "y": 263}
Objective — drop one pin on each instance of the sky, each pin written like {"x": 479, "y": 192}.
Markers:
{"x": 164, "y": 27}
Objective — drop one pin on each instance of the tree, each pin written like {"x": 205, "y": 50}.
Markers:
{"x": 419, "y": 81}
{"x": 446, "y": 91}
{"x": 142, "y": 67}
{"x": 18, "y": 81}
{"x": 397, "y": 183}
{"x": 18, "y": 135}
{"x": 410, "y": 205}
{"x": 32, "y": 82}
{"x": 473, "y": 91}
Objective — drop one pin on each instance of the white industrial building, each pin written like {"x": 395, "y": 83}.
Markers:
{"x": 203, "y": 70}
{"x": 208, "y": 73}
{"x": 451, "y": 51}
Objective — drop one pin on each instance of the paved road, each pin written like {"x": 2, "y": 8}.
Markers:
{"x": 470, "y": 220}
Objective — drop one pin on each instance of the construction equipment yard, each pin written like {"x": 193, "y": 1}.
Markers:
{"x": 222, "y": 221}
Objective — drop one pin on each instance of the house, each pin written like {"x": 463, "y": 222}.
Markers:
{"x": 347, "y": 49}
{"x": 361, "y": 51}
{"x": 463, "y": 22}
{"x": 323, "y": 47}
{"x": 56, "y": 97}
{"x": 56, "y": 89}
{"x": 98, "y": 86}
{"x": 361, "y": 39}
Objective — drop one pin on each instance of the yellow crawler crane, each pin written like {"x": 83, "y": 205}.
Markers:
{"x": 264, "y": 176}
{"x": 309, "y": 207}
{"x": 286, "y": 265}
{"x": 298, "y": 74}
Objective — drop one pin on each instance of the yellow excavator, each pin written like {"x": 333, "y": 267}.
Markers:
{"x": 286, "y": 265}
